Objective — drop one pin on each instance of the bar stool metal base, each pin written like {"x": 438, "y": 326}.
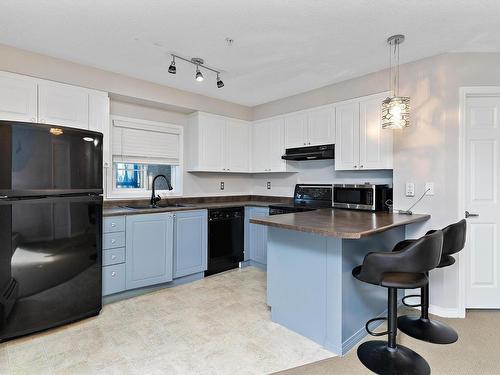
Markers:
{"x": 379, "y": 358}
{"x": 428, "y": 330}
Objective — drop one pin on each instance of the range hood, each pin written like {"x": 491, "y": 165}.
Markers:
{"x": 310, "y": 153}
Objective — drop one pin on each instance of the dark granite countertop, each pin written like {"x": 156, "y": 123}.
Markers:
{"x": 117, "y": 208}
{"x": 348, "y": 224}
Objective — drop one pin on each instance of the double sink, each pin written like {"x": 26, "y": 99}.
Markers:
{"x": 149, "y": 206}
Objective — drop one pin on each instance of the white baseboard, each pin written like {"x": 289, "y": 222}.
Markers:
{"x": 446, "y": 312}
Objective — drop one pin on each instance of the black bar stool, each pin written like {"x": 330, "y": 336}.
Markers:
{"x": 403, "y": 269}
{"x": 421, "y": 327}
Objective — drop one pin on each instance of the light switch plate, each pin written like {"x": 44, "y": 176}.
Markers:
{"x": 429, "y": 188}
{"x": 410, "y": 189}
{"x": 222, "y": 185}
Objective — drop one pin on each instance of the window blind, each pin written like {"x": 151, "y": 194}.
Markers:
{"x": 137, "y": 142}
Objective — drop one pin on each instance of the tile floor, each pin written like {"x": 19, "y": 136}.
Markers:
{"x": 218, "y": 325}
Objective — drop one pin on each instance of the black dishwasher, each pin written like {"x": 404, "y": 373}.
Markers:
{"x": 225, "y": 239}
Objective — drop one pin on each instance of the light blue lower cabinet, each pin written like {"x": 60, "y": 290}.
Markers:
{"x": 190, "y": 242}
{"x": 257, "y": 236}
{"x": 113, "y": 279}
{"x": 149, "y": 249}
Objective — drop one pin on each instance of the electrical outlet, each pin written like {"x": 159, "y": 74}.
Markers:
{"x": 429, "y": 188}
{"x": 268, "y": 185}
{"x": 222, "y": 185}
{"x": 410, "y": 189}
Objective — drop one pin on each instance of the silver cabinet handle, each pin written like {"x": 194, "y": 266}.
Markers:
{"x": 113, "y": 257}
{"x": 33, "y": 119}
{"x": 355, "y": 166}
{"x": 361, "y": 166}
{"x": 113, "y": 274}
{"x": 113, "y": 225}
{"x": 468, "y": 214}
{"x": 113, "y": 241}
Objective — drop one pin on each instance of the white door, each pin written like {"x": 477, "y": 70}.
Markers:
{"x": 260, "y": 146}
{"x": 276, "y": 146}
{"x": 347, "y": 136}
{"x": 212, "y": 133}
{"x": 296, "y": 130}
{"x": 482, "y": 197}
{"x": 237, "y": 146}
{"x": 375, "y": 143}
{"x": 18, "y": 98}
{"x": 63, "y": 105}
{"x": 321, "y": 126}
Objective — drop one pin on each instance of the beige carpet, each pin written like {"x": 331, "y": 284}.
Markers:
{"x": 477, "y": 351}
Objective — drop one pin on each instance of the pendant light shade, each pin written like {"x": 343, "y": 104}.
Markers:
{"x": 395, "y": 109}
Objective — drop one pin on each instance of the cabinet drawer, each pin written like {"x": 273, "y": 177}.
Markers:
{"x": 113, "y": 256}
{"x": 113, "y": 279}
{"x": 113, "y": 240}
{"x": 113, "y": 224}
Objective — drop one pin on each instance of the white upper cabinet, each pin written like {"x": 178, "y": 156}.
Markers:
{"x": 310, "y": 128}
{"x": 237, "y": 146}
{"x": 361, "y": 143}
{"x": 268, "y": 145}
{"x": 321, "y": 126}
{"x": 217, "y": 144}
{"x": 63, "y": 105}
{"x": 347, "y": 136}
{"x": 296, "y": 130}
{"x": 18, "y": 98}
{"x": 99, "y": 122}
{"x": 375, "y": 143}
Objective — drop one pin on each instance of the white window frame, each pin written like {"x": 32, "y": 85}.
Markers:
{"x": 177, "y": 172}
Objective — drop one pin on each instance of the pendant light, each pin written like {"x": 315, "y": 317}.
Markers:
{"x": 395, "y": 109}
{"x": 172, "y": 69}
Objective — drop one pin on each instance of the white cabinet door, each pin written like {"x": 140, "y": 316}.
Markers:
{"x": 237, "y": 146}
{"x": 375, "y": 143}
{"x": 18, "y": 98}
{"x": 260, "y": 146}
{"x": 347, "y": 136}
{"x": 276, "y": 136}
{"x": 296, "y": 130}
{"x": 321, "y": 126}
{"x": 212, "y": 142}
{"x": 99, "y": 122}
{"x": 63, "y": 105}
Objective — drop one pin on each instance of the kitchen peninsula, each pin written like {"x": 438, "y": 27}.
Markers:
{"x": 310, "y": 257}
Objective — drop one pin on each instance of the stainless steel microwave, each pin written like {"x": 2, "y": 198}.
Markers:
{"x": 367, "y": 197}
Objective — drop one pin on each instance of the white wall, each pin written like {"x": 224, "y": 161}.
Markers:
{"x": 428, "y": 150}
{"x": 316, "y": 172}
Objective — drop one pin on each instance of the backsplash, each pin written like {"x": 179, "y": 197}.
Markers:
{"x": 314, "y": 171}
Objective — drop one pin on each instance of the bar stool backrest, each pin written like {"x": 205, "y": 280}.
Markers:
{"x": 454, "y": 237}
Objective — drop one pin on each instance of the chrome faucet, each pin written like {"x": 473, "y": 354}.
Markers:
{"x": 156, "y": 198}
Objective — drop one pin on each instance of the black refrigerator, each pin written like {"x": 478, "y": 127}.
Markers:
{"x": 50, "y": 226}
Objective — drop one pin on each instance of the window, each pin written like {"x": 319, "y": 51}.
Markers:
{"x": 142, "y": 150}
{"x": 140, "y": 176}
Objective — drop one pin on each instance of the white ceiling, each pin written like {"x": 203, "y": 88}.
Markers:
{"x": 281, "y": 48}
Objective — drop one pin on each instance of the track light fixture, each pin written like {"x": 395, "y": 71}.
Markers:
{"x": 172, "y": 69}
{"x": 220, "y": 84}
{"x": 199, "y": 75}
{"x": 199, "y": 63}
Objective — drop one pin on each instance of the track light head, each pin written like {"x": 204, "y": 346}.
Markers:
{"x": 199, "y": 75}
{"x": 172, "y": 69}
{"x": 220, "y": 84}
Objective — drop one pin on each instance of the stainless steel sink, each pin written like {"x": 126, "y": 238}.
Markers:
{"x": 148, "y": 206}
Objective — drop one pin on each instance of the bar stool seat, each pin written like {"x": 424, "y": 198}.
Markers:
{"x": 400, "y": 280}
{"x": 422, "y": 327}
{"x": 402, "y": 269}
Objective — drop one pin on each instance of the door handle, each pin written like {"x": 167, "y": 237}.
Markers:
{"x": 468, "y": 214}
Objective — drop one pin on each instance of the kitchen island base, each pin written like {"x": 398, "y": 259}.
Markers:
{"x": 311, "y": 290}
